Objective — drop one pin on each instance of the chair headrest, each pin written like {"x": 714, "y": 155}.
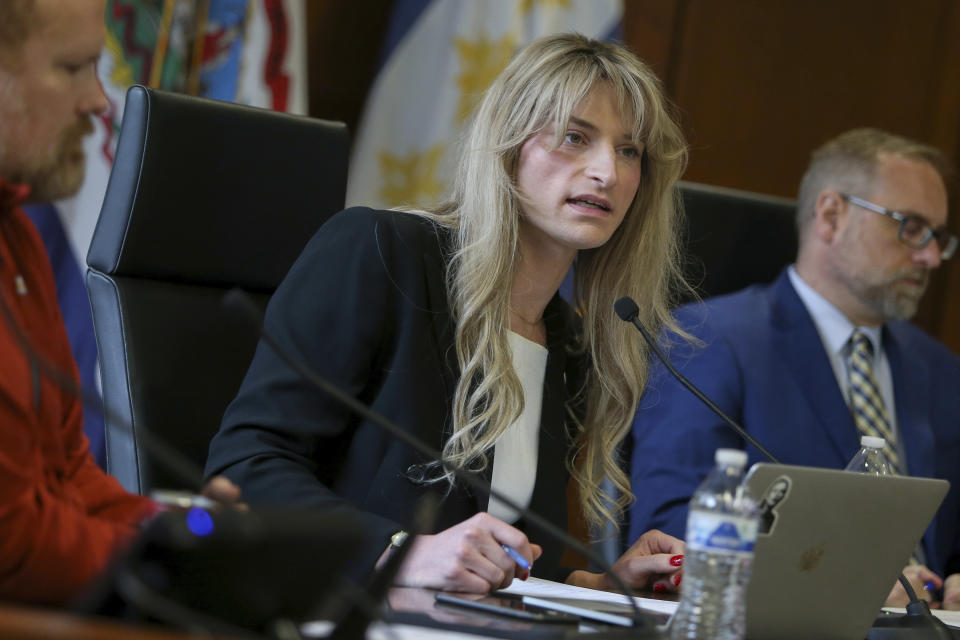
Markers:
{"x": 735, "y": 238}
{"x": 215, "y": 193}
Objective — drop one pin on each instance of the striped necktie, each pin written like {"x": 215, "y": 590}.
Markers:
{"x": 869, "y": 409}
{"x": 866, "y": 403}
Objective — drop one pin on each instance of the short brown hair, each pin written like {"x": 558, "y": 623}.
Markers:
{"x": 849, "y": 162}
{"x": 17, "y": 20}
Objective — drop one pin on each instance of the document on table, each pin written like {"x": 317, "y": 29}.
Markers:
{"x": 532, "y": 587}
{"x": 538, "y": 588}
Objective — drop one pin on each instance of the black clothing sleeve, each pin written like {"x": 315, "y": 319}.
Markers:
{"x": 366, "y": 307}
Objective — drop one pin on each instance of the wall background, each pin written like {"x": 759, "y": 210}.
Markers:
{"x": 758, "y": 85}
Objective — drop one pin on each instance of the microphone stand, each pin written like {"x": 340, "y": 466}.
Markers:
{"x": 918, "y": 623}
{"x": 353, "y": 624}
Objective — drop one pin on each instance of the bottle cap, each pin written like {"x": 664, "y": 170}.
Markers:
{"x": 872, "y": 442}
{"x": 734, "y": 457}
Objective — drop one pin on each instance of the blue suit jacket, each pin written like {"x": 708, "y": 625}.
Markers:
{"x": 762, "y": 361}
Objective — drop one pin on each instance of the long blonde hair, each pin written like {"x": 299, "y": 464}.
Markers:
{"x": 544, "y": 84}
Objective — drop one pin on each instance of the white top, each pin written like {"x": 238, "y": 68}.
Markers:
{"x": 515, "y": 453}
{"x": 835, "y": 331}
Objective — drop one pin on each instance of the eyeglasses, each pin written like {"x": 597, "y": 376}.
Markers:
{"x": 914, "y": 231}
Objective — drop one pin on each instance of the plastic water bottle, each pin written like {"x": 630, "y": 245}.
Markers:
{"x": 721, "y": 532}
{"x": 871, "y": 459}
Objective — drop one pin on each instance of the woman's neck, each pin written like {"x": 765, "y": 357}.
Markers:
{"x": 536, "y": 281}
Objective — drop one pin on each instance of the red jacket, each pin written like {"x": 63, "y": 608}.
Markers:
{"x": 61, "y": 516}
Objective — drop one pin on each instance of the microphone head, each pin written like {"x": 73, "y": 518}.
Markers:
{"x": 626, "y": 308}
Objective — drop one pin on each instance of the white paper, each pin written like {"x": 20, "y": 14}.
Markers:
{"x": 548, "y": 589}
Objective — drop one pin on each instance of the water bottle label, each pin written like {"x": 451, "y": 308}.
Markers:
{"x": 720, "y": 532}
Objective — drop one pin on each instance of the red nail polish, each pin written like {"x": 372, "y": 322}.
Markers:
{"x": 677, "y": 561}
{"x": 659, "y": 587}
{"x": 676, "y": 579}
{"x": 526, "y": 574}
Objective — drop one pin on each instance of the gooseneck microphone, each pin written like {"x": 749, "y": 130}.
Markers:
{"x": 238, "y": 301}
{"x": 628, "y": 311}
{"x": 919, "y": 622}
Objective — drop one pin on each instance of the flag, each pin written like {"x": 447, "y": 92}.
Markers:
{"x": 438, "y": 59}
{"x": 256, "y": 53}
{"x": 250, "y": 51}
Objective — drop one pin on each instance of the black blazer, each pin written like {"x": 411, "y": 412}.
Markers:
{"x": 365, "y": 305}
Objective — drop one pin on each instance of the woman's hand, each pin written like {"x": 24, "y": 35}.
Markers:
{"x": 918, "y": 576}
{"x": 654, "y": 561}
{"x": 467, "y": 557}
{"x": 951, "y": 592}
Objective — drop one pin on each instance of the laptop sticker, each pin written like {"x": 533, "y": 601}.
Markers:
{"x": 776, "y": 493}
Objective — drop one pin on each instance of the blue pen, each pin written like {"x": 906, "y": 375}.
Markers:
{"x": 930, "y": 586}
{"x": 516, "y": 557}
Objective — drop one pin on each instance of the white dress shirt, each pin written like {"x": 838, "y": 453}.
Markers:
{"x": 835, "y": 331}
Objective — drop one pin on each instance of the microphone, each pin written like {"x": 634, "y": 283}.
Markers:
{"x": 918, "y": 618}
{"x": 238, "y": 301}
{"x": 628, "y": 311}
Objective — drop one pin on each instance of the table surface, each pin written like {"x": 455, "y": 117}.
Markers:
{"x": 36, "y": 623}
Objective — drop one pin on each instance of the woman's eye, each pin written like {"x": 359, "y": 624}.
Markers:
{"x": 630, "y": 152}
{"x": 573, "y": 137}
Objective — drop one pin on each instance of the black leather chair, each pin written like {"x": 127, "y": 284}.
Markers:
{"x": 204, "y": 196}
{"x": 735, "y": 238}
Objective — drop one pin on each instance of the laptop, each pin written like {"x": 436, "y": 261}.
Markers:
{"x": 830, "y": 548}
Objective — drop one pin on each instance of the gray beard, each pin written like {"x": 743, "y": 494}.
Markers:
{"x": 892, "y": 304}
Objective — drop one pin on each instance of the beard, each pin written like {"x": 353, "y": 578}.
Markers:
{"x": 897, "y": 297}
{"x": 59, "y": 172}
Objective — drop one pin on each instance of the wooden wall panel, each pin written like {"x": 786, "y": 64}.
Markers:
{"x": 760, "y": 84}
{"x": 343, "y": 50}
{"x": 742, "y": 70}
{"x": 946, "y": 128}
{"x": 649, "y": 29}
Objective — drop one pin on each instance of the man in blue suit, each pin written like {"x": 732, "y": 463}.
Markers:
{"x": 872, "y": 214}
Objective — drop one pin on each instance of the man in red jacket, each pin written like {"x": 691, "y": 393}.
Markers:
{"x": 61, "y": 517}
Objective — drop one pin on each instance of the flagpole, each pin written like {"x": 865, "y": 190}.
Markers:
{"x": 199, "y": 43}
{"x": 163, "y": 37}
